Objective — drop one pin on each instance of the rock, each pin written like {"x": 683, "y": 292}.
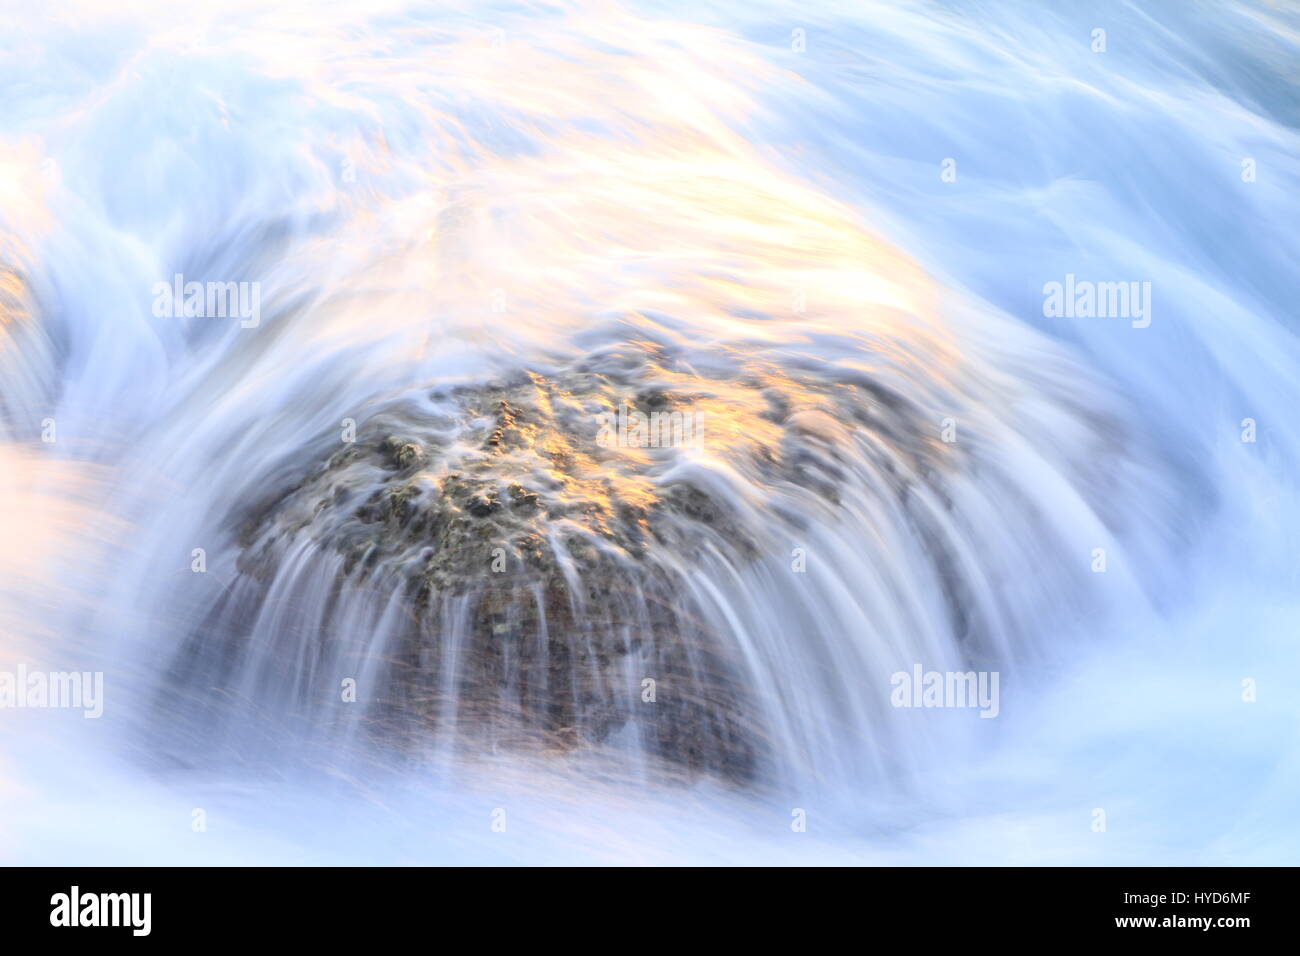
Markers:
{"x": 552, "y": 560}
{"x": 402, "y": 454}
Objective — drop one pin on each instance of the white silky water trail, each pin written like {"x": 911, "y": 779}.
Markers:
{"x": 742, "y": 204}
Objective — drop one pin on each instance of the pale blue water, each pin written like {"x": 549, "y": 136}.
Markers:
{"x": 678, "y": 172}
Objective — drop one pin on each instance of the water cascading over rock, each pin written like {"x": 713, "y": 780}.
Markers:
{"x": 499, "y": 568}
{"x": 542, "y": 567}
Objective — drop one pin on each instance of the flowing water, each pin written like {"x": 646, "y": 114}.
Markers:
{"x": 368, "y": 578}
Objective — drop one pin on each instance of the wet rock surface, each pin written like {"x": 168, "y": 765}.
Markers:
{"x": 543, "y": 547}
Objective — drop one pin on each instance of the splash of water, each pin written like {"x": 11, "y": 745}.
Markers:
{"x": 476, "y": 238}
